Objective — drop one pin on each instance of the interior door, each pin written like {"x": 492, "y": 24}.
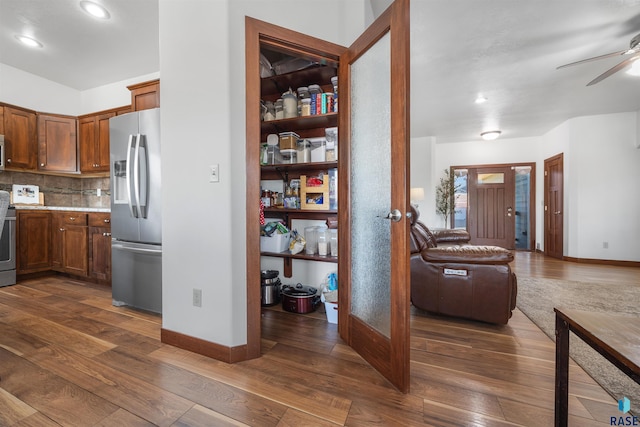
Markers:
{"x": 374, "y": 138}
{"x": 553, "y": 203}
{"x": 492, "y": 206}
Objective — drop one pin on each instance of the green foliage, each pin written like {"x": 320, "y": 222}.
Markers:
{"x": 445, "y": 196}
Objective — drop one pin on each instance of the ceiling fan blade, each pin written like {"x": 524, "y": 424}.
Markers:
{"x": 613, "y": 70}
{"x": 595, "y": 58}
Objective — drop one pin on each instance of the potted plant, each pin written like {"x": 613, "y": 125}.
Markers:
{"x": 445, "y": 196}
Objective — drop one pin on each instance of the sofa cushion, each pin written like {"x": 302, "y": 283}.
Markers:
{"x": 471, "y": 254}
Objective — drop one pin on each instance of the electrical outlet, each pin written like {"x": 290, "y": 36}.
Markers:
{"x": 197, "y": 297}
{"x": 214, "y": 175}
{"x": 605, "y": 245}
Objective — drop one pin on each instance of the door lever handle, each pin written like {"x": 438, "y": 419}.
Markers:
{"x": 395, "y": 215}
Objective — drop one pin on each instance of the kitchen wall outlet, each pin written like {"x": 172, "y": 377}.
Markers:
{"x": 197, "y": 297}
{"x": 214, "y": 176}
{"x": 605, "y": 245}
{"x": 98, "y": 192}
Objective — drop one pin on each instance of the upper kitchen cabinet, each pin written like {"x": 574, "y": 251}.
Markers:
{"x": 93, "y": 141}
{"x": 57, "y": 143}
{"x": 20, "y": 138}
{"x": 145, "y": 95}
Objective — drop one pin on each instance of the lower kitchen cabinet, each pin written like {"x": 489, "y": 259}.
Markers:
{"x": 72, "y": 242}
{"x": 100, "y": 246}
{"x": 33, "y": 241}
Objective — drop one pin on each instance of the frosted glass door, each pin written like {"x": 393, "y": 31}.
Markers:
{"x": 371, "y": 186}
{"x": 373, "y": 273}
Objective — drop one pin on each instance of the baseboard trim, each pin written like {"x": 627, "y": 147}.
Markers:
{"x": 205, "y": 348}
{"x": 603, "y": 262}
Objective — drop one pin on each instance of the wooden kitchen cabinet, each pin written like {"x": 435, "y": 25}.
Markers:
{"x": 100, "y": 246}
{"x": 57, "y": 143}
{"x": 69, "y": 243}
{"x": 145, "y": 95}
{"x": 93, "y": 139}
{"x": 33, "y": 241}
{"x": 20, "y": 138}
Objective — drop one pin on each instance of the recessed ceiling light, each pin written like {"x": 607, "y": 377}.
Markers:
{"x": 28, "y": 41}
{"x": 481, "y": 99}
{"x": 490, "y": 135}
{"x": 95, "y": 10}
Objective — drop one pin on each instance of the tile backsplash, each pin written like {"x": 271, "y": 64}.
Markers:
{"x": 61, "y": 190}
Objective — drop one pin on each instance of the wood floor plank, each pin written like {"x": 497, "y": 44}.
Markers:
{"x": 201, "y": 416}
{"x": 13, "y": 409}
{"x": 123, "y": 418}
{"x": 297, "y": 395}
{"x": 151, "y": 403}
{"x": 61, "y": 400}
{"x": 227, "y": 400}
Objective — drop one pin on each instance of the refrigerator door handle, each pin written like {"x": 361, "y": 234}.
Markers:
{"x": 137, "y": 250}
{"x": 140, "y": 175}
{"x": 128, "y": 180}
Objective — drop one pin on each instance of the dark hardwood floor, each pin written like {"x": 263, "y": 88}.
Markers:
{"x": 69, "y": 358}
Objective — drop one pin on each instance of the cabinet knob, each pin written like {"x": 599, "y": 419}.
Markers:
{"x": 106, "y": 234}
{"x": 61, "y": 229}
{"x": 41, "y": 165}
{"x": 72, "y": 218}
{"x": 107, "y": 220}
{"x": 8, "y": 160}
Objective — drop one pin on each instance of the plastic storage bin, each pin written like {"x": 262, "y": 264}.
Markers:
{"x": 274, "y": 243}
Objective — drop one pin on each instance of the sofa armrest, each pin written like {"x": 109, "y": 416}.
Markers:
{"x": 468, "y": 255}
{"x": 456, "y": 236}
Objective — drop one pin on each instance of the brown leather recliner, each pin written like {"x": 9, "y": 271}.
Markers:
{"x": 461, "y": 280}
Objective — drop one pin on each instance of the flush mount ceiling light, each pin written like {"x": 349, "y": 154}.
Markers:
{"x": 28, "y": 41}
{"x": 490, "y": 135}
{"x": 95, "y": 10}
{"x": 481, "y": 99}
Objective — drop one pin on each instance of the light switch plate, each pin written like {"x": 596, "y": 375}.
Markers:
{"x": 214, "y": 175}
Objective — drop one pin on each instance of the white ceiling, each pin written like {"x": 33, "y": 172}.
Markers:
{"x": 507, "y": 50}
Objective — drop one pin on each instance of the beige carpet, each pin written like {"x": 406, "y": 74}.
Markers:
{"x": 538, "y": 297}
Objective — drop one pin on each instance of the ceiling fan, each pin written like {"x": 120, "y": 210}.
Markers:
{"x": 633, "y": 51}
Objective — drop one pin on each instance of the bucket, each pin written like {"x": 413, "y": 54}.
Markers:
{"x": 331, "y": 310}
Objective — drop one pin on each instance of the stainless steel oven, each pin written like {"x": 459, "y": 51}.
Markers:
{"x": 8, "y": 249}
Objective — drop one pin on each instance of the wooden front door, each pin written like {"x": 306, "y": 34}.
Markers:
{"x": 492, "y": 206}
{"x": 374, "y": 138}
{"x": 553, "y": 206}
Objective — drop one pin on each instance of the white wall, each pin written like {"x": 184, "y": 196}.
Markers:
{"x": 422, "y": 174}
{"x": 601, "y": 170}
{"x": 203, "y": 122}
{"x": 111, "y": 95}
{"x": 36, "y": 93}
{"x": 27, "y": 90}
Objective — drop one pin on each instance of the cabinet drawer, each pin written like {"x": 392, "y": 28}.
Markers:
{"x": 100, "y": 219}
{"x": 74, "y": 218}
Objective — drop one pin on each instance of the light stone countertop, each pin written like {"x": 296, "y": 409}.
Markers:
{"x": 61, "y": 208}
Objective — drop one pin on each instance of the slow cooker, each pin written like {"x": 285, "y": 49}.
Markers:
{"x": 300, "y": 298}
{"x": 270, "y": 287}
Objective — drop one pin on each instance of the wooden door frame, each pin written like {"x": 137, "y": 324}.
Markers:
{"x": 559, "y": 158}
{"x": 257, "y": 32}
{"x": 532, "y": 195}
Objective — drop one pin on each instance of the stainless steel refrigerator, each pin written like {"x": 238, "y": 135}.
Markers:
{"x": 136, "y": 217}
